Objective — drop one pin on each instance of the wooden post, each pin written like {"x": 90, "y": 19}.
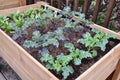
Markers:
{"x": 108, "y": 13}
{"x": 116, "y": 75}
{"x": 51, "y": 2}
{"x": 59, "y": 3}
{"x": 86, "y": 6}
{"x": 96, "y": 11}
{"x": 22, "y": 2}
{"x": 75, "y": 5}
{"x": 67, "y": 2}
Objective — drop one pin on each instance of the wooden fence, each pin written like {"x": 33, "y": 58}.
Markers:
{"x": 87, "y": 3}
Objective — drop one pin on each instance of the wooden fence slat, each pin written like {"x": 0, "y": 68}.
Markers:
{"x": 67, "y": 2}
{"x": 86, "y": 6}
{"x": 108, "y": 13}
{"x": 51, "y": 3}
{"x": 75, "y": 5}
{"x": 96, "y": 10}
{"x": 59, "y": 4}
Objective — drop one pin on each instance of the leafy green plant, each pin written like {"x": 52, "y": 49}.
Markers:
{"x": 100, "y": 39}
{"x": 77, "y": 54}
{"x": 30, "y": 13}
{"x": 60, "y": 64}
{"x": 4, "y": 23}
{"x": 17, "y": 18}
{"x": 50, "y": 38}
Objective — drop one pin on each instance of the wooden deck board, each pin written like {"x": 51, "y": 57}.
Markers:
{"x": 7, "y": 72}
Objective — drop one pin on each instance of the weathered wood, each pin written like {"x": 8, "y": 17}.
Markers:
{"x": 30, "y": 69}
{"x": 108, "y": 13}
{"x": 96, "y": 10}
{"x": 116, "y": 75}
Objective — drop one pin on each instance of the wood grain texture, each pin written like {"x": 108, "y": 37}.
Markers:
{"x": 116, "y": 75}
{"x": 30, "y": 69}
{"x": 4, "y": 4}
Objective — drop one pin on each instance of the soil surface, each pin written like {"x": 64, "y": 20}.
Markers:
{"x": 73, "y": 37}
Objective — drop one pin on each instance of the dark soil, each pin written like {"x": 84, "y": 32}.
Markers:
{"x": 73, "y": 37}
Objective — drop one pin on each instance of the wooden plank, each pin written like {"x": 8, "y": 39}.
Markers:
{"x": 4, "y": 4}
{"x": 108, "y": 13}
{"x": 2, "y": 77}
{"x": 116, "y": 75}
{"x": 96, "y": 10}
{"x": 10, "y": 5}
{"x": 6, "y": 70}
{"x": 104, "y": 67}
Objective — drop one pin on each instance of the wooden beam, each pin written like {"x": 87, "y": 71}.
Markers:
{"x": 108, "y": 13}
{"x": 96, "y": 11}
{"x": 116, "y": 75}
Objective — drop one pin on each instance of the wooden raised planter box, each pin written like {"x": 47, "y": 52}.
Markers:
{"x": 30, "y": 69}
{"x": 11, "y": 3}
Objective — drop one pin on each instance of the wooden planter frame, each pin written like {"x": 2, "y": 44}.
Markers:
{"x": 11, "y": 3}
{"x": 30, "y": 69}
